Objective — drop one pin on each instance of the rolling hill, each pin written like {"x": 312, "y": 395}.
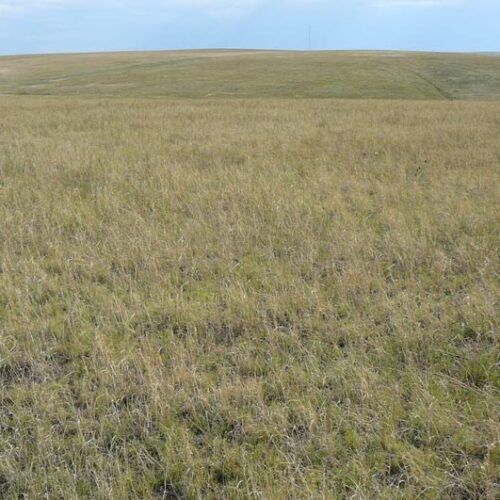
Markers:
{"x": 242, "y": 74}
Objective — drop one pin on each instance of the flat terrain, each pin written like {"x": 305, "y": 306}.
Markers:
{"x": 368, "y": 75}
{"x": 248, "y": 298}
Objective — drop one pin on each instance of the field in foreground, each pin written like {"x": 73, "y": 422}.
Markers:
{"x": 236, "y": 299}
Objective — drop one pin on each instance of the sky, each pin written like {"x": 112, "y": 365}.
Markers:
{"x": 54, "y": 26}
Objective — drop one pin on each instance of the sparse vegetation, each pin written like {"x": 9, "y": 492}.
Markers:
{"x": 248, "y": 298}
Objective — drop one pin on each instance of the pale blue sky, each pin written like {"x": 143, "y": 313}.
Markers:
{"x": 34, "y": 26}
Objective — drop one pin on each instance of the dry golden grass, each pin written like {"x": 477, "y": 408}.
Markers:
{"x": 238, "y": 299}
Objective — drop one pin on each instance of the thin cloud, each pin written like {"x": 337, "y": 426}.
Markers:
{"x": 418, "y": 3}
{"x": 215, "y": 7}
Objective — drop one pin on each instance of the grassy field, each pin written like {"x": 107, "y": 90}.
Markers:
{"x": 248, "y": 298}
{"x": 201, "y": 74}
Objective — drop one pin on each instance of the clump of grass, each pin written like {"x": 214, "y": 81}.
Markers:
{"x": 248, "y": 299}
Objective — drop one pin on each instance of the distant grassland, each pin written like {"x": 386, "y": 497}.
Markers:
{"x": 198, "y": 74}
{"x": 248, "y": 298}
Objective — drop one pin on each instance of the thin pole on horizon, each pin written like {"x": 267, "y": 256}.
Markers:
{"x": 309, "y": 38}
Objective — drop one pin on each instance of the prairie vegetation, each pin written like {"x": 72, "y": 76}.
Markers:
{"x": 248, "y": 298}
{"x": 258, "y": 74}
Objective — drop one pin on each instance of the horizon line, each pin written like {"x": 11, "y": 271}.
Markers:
{"x": 253, "y": 50}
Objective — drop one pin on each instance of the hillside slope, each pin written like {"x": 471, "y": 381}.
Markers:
{"x": 373, "y": 75}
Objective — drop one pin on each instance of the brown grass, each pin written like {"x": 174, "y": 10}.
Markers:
{"x": 237, "y": 299}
